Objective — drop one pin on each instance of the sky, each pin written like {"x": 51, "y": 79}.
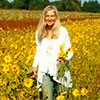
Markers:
{"x": 56, "y": 0}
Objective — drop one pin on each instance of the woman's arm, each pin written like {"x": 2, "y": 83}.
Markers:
{"x": 67, "y": 44}
{"x": 36, "y": 57}
{"x": 35, "y": 64}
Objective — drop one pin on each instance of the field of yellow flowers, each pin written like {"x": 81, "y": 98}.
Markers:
{"x": 17, "y": 50}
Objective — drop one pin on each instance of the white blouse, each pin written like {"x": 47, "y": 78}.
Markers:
{"x": 49, "y": 48}
{"x": 46, "y": 55}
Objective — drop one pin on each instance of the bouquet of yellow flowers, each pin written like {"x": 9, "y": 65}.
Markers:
{"x": 63, "y": 65}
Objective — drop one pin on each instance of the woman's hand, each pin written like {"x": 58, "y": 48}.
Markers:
{"x": 33, "y": 72}
{"x": 62, "y": 61}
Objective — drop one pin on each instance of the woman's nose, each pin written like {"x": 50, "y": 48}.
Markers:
{"x": 49, "y": 18}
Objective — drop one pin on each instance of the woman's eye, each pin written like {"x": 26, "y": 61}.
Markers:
{"x": 52, "y": 15}
{"x": 47, "y": 15}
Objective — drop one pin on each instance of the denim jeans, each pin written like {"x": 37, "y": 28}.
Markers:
{"x": 47, "y": 87}
{"x": 50, "y": 88}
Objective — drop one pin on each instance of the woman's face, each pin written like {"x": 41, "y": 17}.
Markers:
{"x": 50, "y": 17}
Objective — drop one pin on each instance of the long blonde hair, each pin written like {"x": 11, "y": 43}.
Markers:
{"x": 42, "y": 25}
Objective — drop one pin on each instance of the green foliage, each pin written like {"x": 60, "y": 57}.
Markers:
{"x": 13, "y": 74}
{"x": 62, "y": 5}
{"x": 17, "y": 4}
{"x": 4, "y": 4}
{"x": 67, "y": 5}
{"x": 85, "y": 64}
{"x": 91, "y": 6}
{"x": 36, "y": 4}
{"x": 61, "y": 69}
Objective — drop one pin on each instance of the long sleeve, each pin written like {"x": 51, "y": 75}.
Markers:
{"x": 36, "y": 57}
{"x": 67, "y": 44}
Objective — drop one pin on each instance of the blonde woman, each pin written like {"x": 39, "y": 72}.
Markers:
{"x": 49, "y": 36}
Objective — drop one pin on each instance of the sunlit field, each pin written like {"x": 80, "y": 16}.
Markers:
{"x": 17, "y": 50}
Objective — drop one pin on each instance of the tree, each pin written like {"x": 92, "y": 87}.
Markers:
{"x": 70, "y": 5}
{"x": 18, "y": 4}
{"x": 46, "y": 2}
{"x": 91, "y": 6}
{"x": 4, "y": 4}
{"x": 26, "y": 4}
{"x": 36, "y": 4}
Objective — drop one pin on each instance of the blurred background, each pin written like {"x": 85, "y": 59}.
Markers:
{"x": 62, "y": 5}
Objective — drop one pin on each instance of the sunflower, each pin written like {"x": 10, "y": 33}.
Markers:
{"x": 7, "y": 59}
{"x": 28, "y": 82}
{"x": 70, "y": 50}
{"x": 6, "y": 67}
{"x": 62, "y": 54}
{"x": 5, "y": 98}
{"x": 15, "y": 68}
{"x": 61, "y": 47}
{"x": 76, "y": 92}
{"x": 60, "y": 97}
{"x": 84, "y": 91}
{"x": 12, "y": 45}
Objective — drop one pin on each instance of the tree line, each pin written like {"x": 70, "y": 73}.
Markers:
{"x": 62, "y": 5}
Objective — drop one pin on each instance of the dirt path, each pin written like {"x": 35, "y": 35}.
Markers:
{"x": 21, "y": 24}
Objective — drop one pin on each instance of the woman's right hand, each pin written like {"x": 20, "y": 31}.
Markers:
{"x": 33, "y": 72}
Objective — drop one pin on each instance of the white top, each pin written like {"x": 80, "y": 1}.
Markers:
{"x": 49, "y": 48}
{"x": 41, "y": 61}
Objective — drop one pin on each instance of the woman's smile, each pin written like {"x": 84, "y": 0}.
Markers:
{"x": 50, "y": 17}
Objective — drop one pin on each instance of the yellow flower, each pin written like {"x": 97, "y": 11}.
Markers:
{"x": 0, "y": 81}
{"x": 28, "y": 82}
{"x": 70, "y": 50}
{"x": 21, "y": 37}
{"x": 76, "y": 92}
{"x": 12, "y": 45}
{"x": 7, "y": 59}
{"x": 61, "y": 47}
{"x": 64, "y": 93}
{"x": 15, "y": 68}
{"x": 84, "y": 91}
{"x": 6, "y": 68}
{"x": 16, "y": 46}
{"x": 29, "y": 57}
{"x": 1, "y": 53}
{"x": 4, "y": 83}
{"x": 60, "y": 98}
{"x": 5, "y": 98}
{"x": 16, "y": 55}
{"x": 62, "y": 54}
{"x": 27, "y": 62}
{"x": 23, "y": 48}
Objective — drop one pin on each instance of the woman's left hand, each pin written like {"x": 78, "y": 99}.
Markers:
{"x": 61, "y": 61}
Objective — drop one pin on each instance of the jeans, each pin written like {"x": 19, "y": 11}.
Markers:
{"x": 50, "y": 88}
{"x": 47, "y": 87}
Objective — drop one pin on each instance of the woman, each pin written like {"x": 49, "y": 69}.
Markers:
{"x": 49, "y": 36}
